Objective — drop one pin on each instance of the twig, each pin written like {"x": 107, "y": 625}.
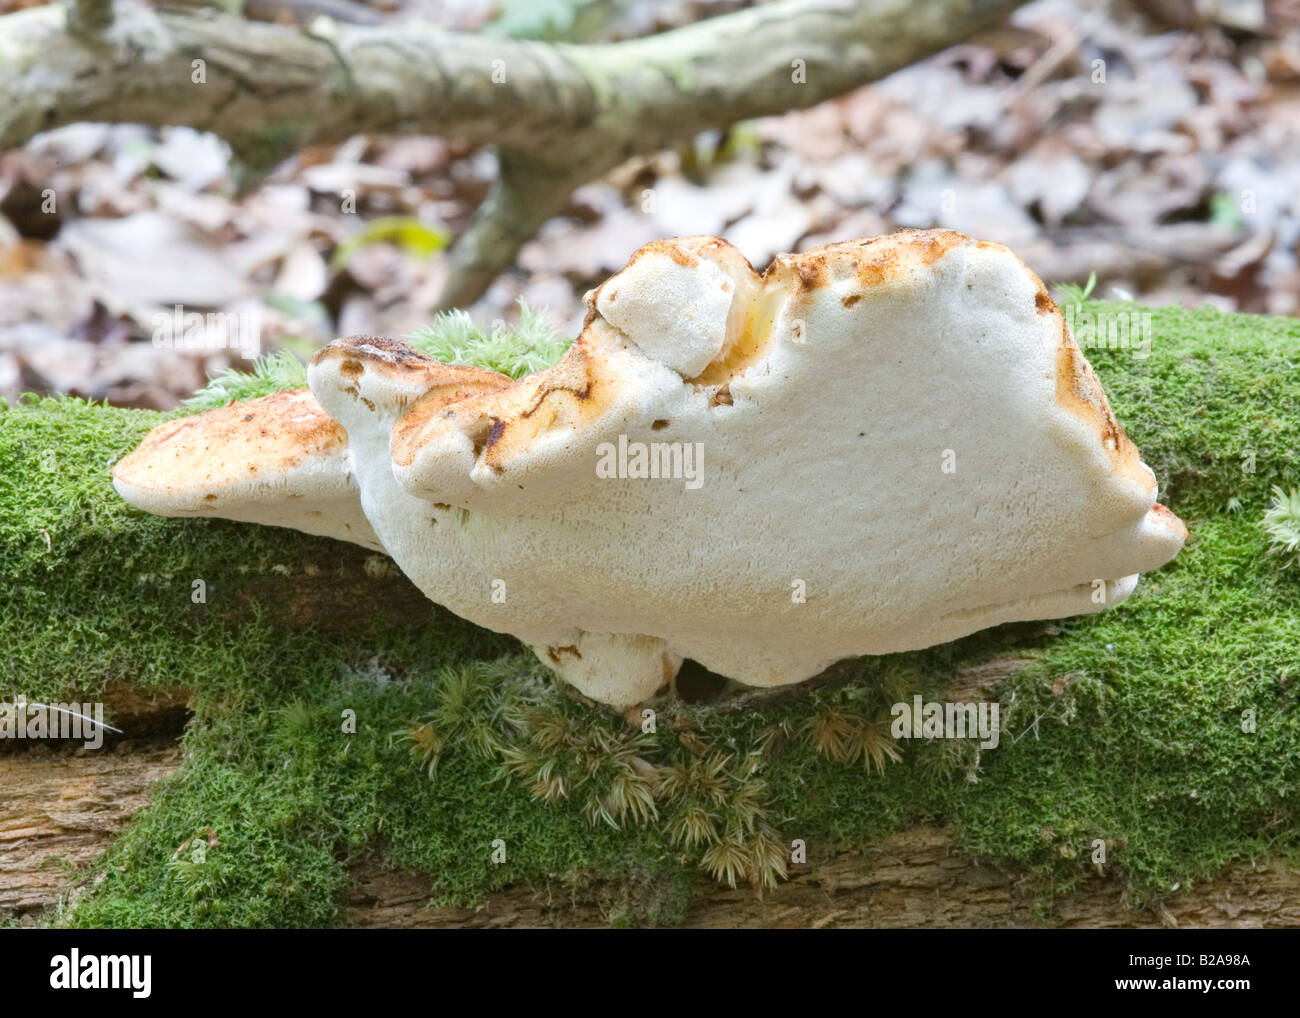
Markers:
{"x": 558, "y": 114}
{"x": 89, "y": 17}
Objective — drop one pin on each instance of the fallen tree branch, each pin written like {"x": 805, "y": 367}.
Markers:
{"x": 59, "y": 811}
{"x": 87, "y": 17}
{"x": 272, "y": 637}
{"x": 915, "y": 877}
{"x": 559, "y": 114}
{"x": 524, "y": 195}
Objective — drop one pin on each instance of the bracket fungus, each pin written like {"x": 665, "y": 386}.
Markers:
{"x": 874, "y": 446}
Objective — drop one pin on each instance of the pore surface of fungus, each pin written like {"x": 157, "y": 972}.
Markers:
{"x": 875, "y": 446}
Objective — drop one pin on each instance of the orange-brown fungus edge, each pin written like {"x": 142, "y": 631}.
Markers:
{"x": 218, "y": 447}
{"x": 510, "y": 415}
{"x": 1079, "y": 391}
{"x": 870, "y": 263}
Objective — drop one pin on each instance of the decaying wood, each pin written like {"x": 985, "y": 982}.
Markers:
{"x": 301, "y": 593}
{"x": 59, "y": 809}
{"x": 290, "y": 592}
{"x": 915, "y": 877}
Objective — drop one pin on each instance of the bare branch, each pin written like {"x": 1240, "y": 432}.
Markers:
{"x": 88, "y": 17}
{"x": 560, "y": 114}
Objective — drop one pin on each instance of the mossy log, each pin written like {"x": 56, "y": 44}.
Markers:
{"x": 343, "y": 727}
{"x": 914, "y": 878}
{"x": 58, "y": 811}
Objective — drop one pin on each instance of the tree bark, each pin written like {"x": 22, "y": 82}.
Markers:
{"x": 559, "y": 114}
{"x": 915, "y": 877}
{"x": 59, "y": 809}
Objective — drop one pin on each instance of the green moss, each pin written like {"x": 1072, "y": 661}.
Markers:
{"x": 1215, "y": 408}
{"x": 519, "y": 350}
{"x": 1125, "y": 727}
{"x": 453, "y": 338}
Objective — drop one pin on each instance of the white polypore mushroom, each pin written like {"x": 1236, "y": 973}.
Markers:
{"x": 682, "y": 302}
{"x": 279, "y": 460}
{"x": 873, "y": 447}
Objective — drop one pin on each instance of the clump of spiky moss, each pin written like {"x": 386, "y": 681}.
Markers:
{"x": 531, "y": 345}
{"x": 270, "y": 373}
{"x": 515, "y": 350}
{"x": 720, "y": 805}
{"x": 1282, "y": 524}
{"x": 711, "y": 807}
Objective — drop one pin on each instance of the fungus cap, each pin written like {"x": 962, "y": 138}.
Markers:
{"x": 279, "y": 460}
{"x": 873, "y": 447}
